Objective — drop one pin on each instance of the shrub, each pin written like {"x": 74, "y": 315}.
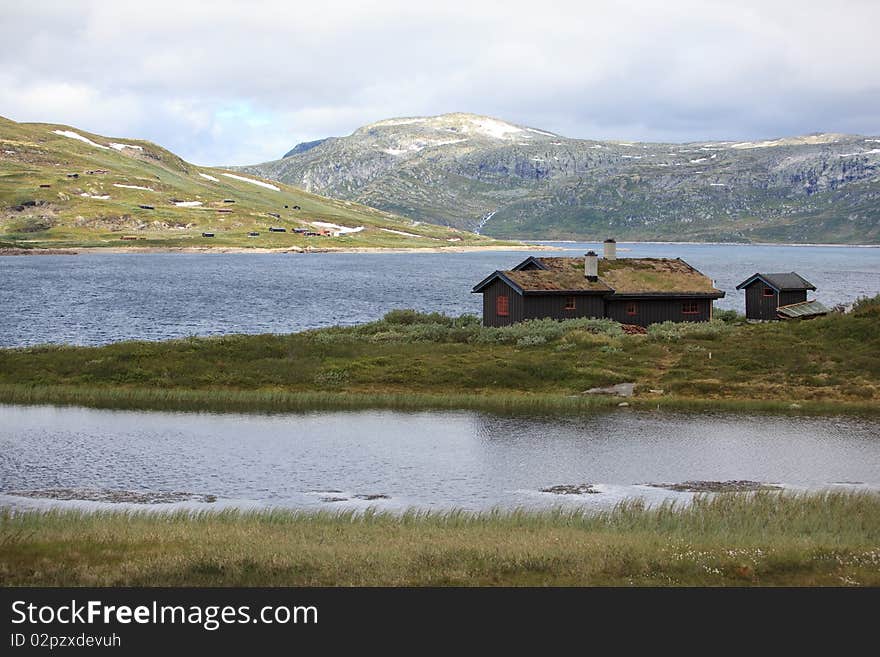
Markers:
{"x": 674, "y": 331}
{"x": 729, "y": 316}
{"x": 531, "y": 341}
{"x": 332, "y": 376}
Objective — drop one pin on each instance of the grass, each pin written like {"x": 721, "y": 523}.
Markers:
{"x": 411, "y": 360}
{"x": 73, "y": 212}
{"x": 732, "y": 539}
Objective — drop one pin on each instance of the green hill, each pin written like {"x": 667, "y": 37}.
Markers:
{"x": 64, "y": 187}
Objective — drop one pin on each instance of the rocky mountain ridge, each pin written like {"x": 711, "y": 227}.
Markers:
{"x": 505, "y": 180}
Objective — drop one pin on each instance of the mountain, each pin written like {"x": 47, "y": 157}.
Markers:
{"x": 303, "y": 147}
{"x": 61, "y": 186}
{"x": 505, "y": 180}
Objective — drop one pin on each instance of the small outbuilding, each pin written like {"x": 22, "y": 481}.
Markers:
{"x": 767, "y": 293}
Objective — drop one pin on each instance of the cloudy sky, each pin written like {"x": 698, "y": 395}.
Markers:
{"x": 226, "y": 82}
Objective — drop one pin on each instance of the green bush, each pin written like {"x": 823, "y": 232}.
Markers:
{"x": 531, "y": 341}
{"x": 674, "y": 331}
{"x": 729, "y": 316}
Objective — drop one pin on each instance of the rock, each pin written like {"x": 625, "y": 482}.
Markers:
{"x": 733, "y": 486}
{"x": 623, "y": 404}
{"x": 656, "y": 391}
{"x": 334, "y": 499}
{"x": 373, "y": 496}
{"x": 571, "y": 489}
{"x": 794, "y": 406}
{"x": 114, "y": 496}
{"x": 619, "y": 389}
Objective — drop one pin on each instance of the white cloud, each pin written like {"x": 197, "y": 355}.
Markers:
{"x": 238, "y": 82}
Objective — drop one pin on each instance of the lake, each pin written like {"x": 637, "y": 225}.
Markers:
{"x": 428, "y": 460}
{"x": 101, "y": 298}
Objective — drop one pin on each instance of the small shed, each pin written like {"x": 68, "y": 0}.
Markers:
{"x": 766, "y": 293}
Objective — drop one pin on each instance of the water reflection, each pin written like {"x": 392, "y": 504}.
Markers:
{"x": 430, "y": 459}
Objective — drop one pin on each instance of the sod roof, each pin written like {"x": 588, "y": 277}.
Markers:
{"x": 623, "y": 276}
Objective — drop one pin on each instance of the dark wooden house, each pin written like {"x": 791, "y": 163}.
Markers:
{"x": 766, "y": 293}
{"x": 638, "y": 291}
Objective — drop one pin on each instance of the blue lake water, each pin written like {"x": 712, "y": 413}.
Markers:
{"x": 439, "y": 460}
{"x": 100, "y": 298}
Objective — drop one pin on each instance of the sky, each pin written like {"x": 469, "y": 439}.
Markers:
{"x": 225, "y": 82}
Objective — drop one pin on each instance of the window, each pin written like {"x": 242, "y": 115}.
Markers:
{"x": 769, "y": 291}
{"x": 632, "y": 309}
{"x": 690, "y": 308}
{"x": 502, "y": 306}
{"x": 570, "y": 303}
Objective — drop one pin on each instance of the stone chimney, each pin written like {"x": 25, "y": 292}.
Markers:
{"x": 610, "y": 249}
{"x": 591, "y": 266}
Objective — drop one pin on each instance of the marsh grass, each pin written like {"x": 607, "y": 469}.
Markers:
{"x": 764, "y": 538}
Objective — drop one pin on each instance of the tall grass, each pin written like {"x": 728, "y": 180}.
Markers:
{"x": 763, "y": 538}
{"x": 175, "y": 399}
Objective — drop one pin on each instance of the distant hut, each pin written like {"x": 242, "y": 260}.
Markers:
{"x": 767, "y": 293}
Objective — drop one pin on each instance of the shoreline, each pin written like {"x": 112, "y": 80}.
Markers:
{"x": 550, "y": 245}
{"x": 115, "y": 250}
{"x": 280, "y": 401}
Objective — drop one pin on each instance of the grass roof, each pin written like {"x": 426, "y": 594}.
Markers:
{"x": 622, "y": 275}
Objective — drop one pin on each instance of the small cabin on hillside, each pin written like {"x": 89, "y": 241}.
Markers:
{"x": 639, "y": 291}
{"x": 767, "y": 293}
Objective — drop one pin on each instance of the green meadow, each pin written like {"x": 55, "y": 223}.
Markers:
{"x": 411, "y": 360}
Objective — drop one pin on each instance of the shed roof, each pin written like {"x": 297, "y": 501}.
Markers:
{"x": 783, "y": 282}
{"x": 802, "y": 310}
{"x": 622, "y": 276}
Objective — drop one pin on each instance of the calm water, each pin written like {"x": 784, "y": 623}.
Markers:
{"x": 94, "y": 299}
{"x": 429, "y": 460}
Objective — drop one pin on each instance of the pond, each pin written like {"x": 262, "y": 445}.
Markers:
{"x": 398, "y": 460}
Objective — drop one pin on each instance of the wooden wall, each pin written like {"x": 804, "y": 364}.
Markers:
{"x": 657, "y": 310}
{"x": 553, "y": 306}
{"x": 759, "y": 306}
{"x": 515, "y": 305}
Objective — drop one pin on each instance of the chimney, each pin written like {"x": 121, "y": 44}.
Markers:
{"x": 610, "y": 249}
{"x": 591, "y": 266}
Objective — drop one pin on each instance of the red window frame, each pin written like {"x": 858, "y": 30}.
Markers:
{"x": 502, "y": 306}
{"x": 632, "y": 309}
{"x": 690, "y": 308}
{"x": 571, "y": 303}
{"x": 769, "y": 291}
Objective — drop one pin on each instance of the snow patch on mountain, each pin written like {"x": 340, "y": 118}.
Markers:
{"x": 252, "y": 181}
{"x": 75, "y": 135}
{"x": 207, "y": 177}
{"x": 119, "y": 146}
{"x": 146, "y": 189}
{"x": 336, "y": 229}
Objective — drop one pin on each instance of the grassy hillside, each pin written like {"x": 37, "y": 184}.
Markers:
{"x": 410, "y": 360}
{"x": 57, "y": 190}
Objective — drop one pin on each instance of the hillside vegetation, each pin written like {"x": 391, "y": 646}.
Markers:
{"x": 64, "y": 187}
{"x": 412, "y": 360}
{"x": 510, "y": 181}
